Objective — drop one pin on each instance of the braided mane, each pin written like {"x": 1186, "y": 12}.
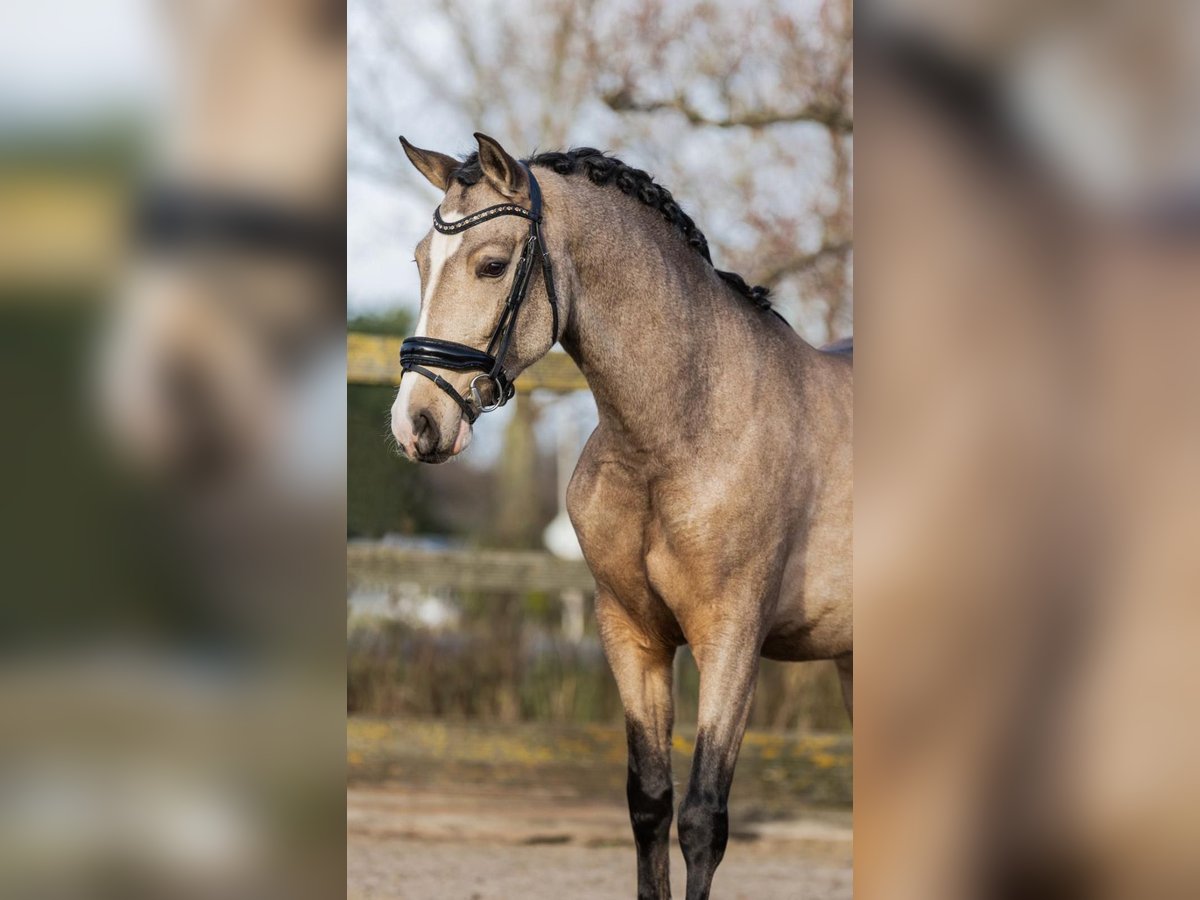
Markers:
{"x": 602, "y": 169}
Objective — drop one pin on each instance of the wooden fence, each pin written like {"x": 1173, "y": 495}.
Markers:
{"x": 384, "y": 565}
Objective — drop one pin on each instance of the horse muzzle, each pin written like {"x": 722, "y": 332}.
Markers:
{"x": 426, "y": 427}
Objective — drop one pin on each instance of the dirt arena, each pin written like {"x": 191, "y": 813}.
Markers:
{"x": 484, "y": 813}
{"x": 419, "y": 845}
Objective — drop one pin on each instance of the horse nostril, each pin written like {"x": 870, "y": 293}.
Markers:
{"x": 426, "y": 434}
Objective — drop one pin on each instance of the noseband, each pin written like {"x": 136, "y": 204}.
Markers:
{"x": 418, "y": 352}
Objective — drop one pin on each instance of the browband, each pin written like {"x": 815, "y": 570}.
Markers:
{"x": 500, "y": 209}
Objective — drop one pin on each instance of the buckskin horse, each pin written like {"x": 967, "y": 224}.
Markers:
{"x": 713, "y": 502}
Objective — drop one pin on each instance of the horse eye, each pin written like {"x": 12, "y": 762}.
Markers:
{"x": 493, "y": 268}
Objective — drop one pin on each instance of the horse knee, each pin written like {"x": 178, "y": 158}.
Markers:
{"x": 651, "y": 804}
{"x": 703, "y": 829}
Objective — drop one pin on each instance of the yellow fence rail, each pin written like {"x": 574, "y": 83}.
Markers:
{"x": 375, "y": 359}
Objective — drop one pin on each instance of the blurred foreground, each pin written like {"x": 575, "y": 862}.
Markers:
{"x": 1027, "y": 462}
{"x": 171, "y": 562}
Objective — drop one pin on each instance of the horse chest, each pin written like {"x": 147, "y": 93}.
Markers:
{"x": 671, "y": 549}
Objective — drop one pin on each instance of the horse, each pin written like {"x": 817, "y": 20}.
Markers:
{"x": 713, "y": 501}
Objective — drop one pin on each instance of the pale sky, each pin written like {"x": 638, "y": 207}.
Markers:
{"x": 63, "y": 59}
{"x": 389, "y": 212}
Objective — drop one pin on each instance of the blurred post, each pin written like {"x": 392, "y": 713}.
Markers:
{"x": 517, "y": 522}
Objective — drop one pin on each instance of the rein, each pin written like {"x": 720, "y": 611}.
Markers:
{"x": 418, "y": 353}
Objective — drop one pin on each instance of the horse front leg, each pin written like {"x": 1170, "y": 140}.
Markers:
{"x": 728, "y": 672}
{"x": 642, "y": 667}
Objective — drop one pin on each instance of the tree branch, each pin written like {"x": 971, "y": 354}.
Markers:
{"x": 832, "y": 116}
{"x": 802, "y": 262}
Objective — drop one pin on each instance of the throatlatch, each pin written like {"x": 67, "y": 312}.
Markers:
{"x": 416, "y": 353}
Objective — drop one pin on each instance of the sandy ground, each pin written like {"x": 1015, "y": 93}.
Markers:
{"x": 470, "y": 811}
{"x": 474, "y": 844}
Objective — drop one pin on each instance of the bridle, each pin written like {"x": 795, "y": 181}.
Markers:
{"x": 418, "y": 352}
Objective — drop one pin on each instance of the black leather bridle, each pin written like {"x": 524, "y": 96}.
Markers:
{"x": 416, "y": 353}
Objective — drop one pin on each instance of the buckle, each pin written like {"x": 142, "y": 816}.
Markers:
{"x": 478, "y": 397}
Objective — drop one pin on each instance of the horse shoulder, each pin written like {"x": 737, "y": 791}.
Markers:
{"x": 609, "y": 507}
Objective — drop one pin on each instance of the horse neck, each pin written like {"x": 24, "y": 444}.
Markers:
{"x": 654, "y": 330}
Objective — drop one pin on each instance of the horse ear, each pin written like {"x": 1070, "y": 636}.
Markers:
{"x": 502, "y": 171}
{"x": 437, "y": 167}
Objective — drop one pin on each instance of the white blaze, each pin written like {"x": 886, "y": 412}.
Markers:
{"x": 441, "y": 248}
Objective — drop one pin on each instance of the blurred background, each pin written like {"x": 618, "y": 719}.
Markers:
{"x": 1027, "y": 375}
{"x": 476, "y": 679}
{"x": 171, "y": 316}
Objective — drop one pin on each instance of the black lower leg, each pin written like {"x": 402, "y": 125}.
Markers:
{"x": 650, "y": 797}
{"x": 704, "y": 816}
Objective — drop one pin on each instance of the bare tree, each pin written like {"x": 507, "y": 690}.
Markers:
{"x": 744, "y": 109}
